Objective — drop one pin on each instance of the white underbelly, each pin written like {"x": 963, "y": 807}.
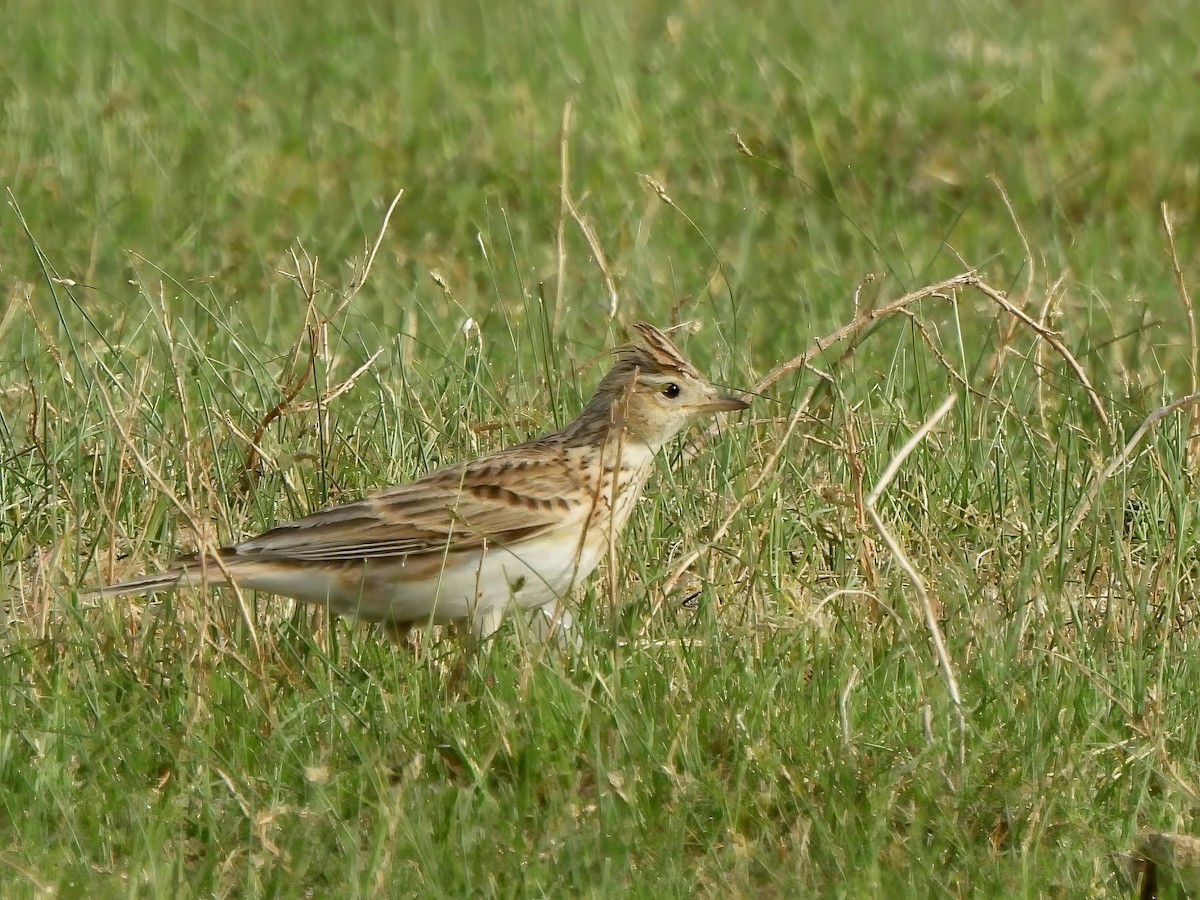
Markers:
{"x": 536, "y": 573}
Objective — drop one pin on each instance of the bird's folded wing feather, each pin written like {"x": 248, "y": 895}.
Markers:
{"x": 499, "y": 501}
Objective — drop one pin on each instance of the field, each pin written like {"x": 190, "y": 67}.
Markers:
{"x": 189, "y": 353}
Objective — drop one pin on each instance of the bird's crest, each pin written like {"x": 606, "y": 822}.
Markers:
{"x": 651, "y": 352}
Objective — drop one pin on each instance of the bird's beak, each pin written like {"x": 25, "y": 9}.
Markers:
{"x": 723, "y": 403}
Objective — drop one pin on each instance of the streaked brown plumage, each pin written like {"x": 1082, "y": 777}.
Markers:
{"x": 519, "y": 527}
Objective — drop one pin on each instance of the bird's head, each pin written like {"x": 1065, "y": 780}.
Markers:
{"x": 653, "y": 392}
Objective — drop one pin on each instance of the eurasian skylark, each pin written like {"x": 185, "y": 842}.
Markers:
{"x": 516, "y": 528}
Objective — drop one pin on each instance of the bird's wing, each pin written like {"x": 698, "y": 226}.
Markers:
{"x": 510, "y": 496}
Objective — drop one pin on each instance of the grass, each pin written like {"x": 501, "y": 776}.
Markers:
{"x": 785, "y": 732}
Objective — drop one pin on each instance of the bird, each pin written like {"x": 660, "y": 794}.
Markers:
{"x": 516, "y": 529}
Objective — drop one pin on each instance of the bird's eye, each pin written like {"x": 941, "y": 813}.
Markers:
{"x": 671, "y": 390}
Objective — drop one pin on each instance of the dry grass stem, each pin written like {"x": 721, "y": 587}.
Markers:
{"x": 935, "y": 632}
{"x": 208, "y": 547}
{"x": 844, "y": 708}
{"x": 335, "y": 392}
{"x": 564, "y": 190}
{"x": 945, "y": 363}
{"x": 566, "y": 208}
{"x": 360, "y": 277}
{"x": 942, "y": 289}
{"x": 315, "y": 328}
{"x": 188, "y": 470}
{"x": 719, "y": 532}
{"x": 589, "y": 235}
{"x": 1041, "y": 367}
{"x": 820, "y": 345}
{"x": 1053, "y": 340}
{"x": 854, "y": 331}
{"x": 1117, "y": 462}
{"x": 866, "y": 546}
{"x": 1030, "y": 265}
{"x": 1190, "y": 313}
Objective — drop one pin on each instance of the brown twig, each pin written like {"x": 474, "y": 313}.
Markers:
{"x": 1053, "y": 340}
{"x": 820, "y": 345}
{"x": 929, "y": 342}
{"x": 942, "y": 289}
{"x": 854, "y": 332}
{"x": 335, "y": 392}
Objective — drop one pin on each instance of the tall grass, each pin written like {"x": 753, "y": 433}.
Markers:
{"x": 192, "y": 190}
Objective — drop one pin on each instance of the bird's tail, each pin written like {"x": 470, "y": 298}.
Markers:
{"x": 170, "y": 580}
